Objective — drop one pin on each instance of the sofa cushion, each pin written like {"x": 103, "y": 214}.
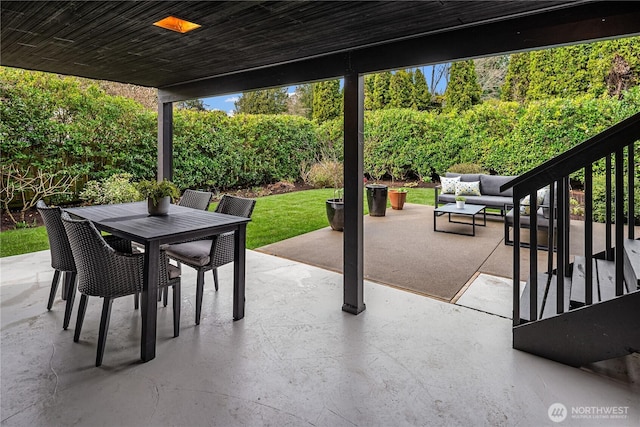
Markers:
{"x": 468, "y": 188}
{"x": 449, "y": 185}
{"x": 490, "y": 185}
{"x": 464, "y": 177}
{"x": 525, "y": 221}
{"x": 496, "y": 202}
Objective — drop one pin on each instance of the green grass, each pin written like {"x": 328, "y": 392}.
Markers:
{"x": 274, "y": 218}
{"x": 23, "y": 240}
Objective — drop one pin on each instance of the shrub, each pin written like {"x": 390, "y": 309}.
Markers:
{"x": 326, "y": 174}
{"x": 466, "y": 168}
{"x": 114, "y": 189}
{"x": 599, "y": 199}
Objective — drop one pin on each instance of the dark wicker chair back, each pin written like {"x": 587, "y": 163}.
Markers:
{"x": 61, "y": 256}
{"x": 223, "y": 245}
{"x": 196, "y": 199}
{"x": 238, "y": 206}
{"x": 101, "y": 271}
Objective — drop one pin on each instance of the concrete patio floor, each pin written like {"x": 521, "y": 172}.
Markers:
{"x": 295, "y": 359}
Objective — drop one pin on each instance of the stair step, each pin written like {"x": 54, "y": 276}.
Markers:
{"x": 606, "y": 279}
{"x": 549, "y": 308}
{"x": 578, "y": 279}
{"x": 632, "y": 263}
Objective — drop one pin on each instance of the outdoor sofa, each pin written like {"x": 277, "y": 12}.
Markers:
{"x": 482, "y": 189}
{"x": 478, "y": 189}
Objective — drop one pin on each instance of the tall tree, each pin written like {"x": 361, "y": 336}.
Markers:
{"x": 421, "y": 95}
{"x": 301, "y": 102}
{"x": 191, "y": 104}
{"x": 463, "y": 90}
{"x": 369, "y": 82}
{"x": 573, "y": 70}
{"x": 268, "y": 101}
{"x": 491, "y": 74}
{"x": 381, "y": 90}
{"x": 327, "y": 100}
{"x": 439, "y": 75}
{"x": 516, "y": 81}
{"x": 401, "y": 89}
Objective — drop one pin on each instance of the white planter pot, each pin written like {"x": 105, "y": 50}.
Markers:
{"x": 459, "y": 204}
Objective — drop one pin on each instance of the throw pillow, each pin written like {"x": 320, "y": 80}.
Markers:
{"x": 468, "y": 188}
{"x": 449, "y": 184}
{"x": 525, "y": 206}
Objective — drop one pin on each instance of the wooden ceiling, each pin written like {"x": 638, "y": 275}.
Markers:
{"x": 249, "y": 44}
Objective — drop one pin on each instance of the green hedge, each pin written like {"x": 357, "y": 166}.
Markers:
{"x": 52, "y": 123}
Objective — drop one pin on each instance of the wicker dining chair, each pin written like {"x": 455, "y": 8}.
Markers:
{"x": 196, "y": 199}
{"x": 62, "y": 257}
{"x": 106, "y": 273}
{"x": 209, "y": 254}
{"x": 191, "y": 199}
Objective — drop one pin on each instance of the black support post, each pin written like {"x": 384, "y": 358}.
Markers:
{"x": 353, "y": 193}
{"x": 165, "y": 141}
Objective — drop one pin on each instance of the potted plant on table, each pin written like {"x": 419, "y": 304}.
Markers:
{"x": 460, "y": 202}
{"x": 158, "y": 194}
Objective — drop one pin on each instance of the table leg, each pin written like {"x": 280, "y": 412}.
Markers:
{"x": 150, "y": 301}
{"x": 239, "y": 271}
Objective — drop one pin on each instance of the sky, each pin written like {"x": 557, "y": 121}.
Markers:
{"x": 226, "y": 103}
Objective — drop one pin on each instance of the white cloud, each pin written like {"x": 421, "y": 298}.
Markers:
{"x": 232, "y": 99}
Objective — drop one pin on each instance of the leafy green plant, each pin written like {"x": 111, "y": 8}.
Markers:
{"x": 326, "y": 174}
{"x": 155, "y": 190}
{"x": 461, "y": 199}
{"x": 117, "y": 188}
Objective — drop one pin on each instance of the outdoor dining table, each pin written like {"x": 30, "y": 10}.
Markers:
{"x": 131, "y": 221}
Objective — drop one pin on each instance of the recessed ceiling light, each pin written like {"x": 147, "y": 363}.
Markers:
{"x": 176, "y": 24}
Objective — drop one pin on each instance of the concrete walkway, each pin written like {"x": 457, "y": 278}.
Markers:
{"x": 296, "y": 359}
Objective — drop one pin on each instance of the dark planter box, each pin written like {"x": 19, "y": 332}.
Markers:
{"x": 377, "y": 199}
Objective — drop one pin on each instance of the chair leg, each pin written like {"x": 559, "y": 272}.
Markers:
{"x": 199, "y": 293}
{"x": 136, "y": 301}
{"x": 176, "y": 309}
{"x": 71, "y": 294}
{"x": 54, "y": 288}
{"x": 82, "y": 309}
{"x": 104, "y": 327}
{"x": 65, "y": 286}
{"x": 165, "y": 293}
{"x": 215, "y": 278}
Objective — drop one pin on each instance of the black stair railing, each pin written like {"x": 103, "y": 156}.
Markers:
{"x": 609, "y": 147}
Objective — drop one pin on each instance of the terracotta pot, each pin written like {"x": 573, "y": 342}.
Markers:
{"x": 397, "y": 199}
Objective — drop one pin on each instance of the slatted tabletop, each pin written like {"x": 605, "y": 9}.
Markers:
{"x": 132, "y": 221}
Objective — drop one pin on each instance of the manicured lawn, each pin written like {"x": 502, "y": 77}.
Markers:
{"x": 274, "y": 218}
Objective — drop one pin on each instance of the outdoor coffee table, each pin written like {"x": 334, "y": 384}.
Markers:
{"x": 468, "y": 210}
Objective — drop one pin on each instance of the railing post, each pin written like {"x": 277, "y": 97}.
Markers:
{"x": 608, "y": 204}
{"x": 631, "y": 174}
{"x": 620, "y": 216}
{"x": 588, "y": 233}
{"x": 516, "y": 261}
{"x": 560, "y": 264}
